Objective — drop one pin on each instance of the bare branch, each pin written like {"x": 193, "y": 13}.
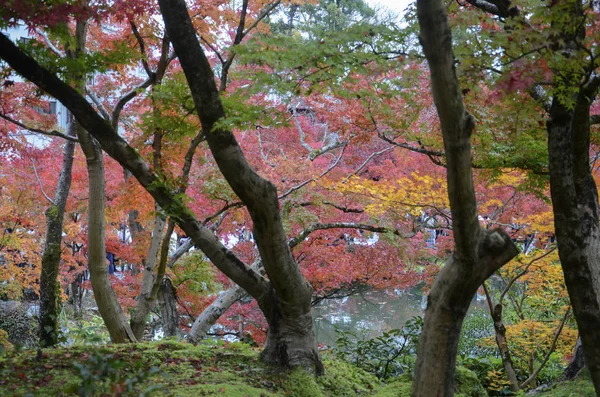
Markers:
{"x": 90, "y": 93}
{"x": 37, "y": 177}
{"x": 37, "y": 130}
{"x": 142, "y": 45}
{"x": 557, "y": 333}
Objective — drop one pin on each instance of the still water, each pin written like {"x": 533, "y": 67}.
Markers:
{"x": 370, "y": 313}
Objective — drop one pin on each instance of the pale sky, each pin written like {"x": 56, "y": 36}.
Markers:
{"x": 396, "y": 5}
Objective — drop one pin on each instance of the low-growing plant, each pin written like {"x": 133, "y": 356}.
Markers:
{"x": 104, "y": 375}
{"x": 391, "y": 354}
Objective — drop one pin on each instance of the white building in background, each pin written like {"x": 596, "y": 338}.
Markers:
{"x": 18, "y": 34}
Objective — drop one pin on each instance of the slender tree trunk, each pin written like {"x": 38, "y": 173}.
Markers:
{"x": 106, "y": 299}
{"x": 502, "y": 343}
{"x": 477, "y": 252}
{"x": 145, "y": 299}
{"x": 576, "y": 364}
{"x": 50, "y": 291}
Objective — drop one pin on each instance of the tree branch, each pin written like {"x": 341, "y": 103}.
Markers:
{"x": 37, "y": 130}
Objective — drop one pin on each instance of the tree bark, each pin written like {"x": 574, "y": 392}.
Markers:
{"x": 50, "y": 291}
{"x": 477, "y": 252}
{"x": 167, "y": 301}
{"x": 213, "y": 312}
{"x": 575, "y": 203}
{"x": 106, "y": 299}
{"x": 145, "y": 299}
{"x": 576, "y": 364}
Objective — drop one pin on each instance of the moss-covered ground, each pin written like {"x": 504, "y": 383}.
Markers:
{"x": 172, "y": 368}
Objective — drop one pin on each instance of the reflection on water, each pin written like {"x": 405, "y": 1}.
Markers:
{"x": 370, "y": 313}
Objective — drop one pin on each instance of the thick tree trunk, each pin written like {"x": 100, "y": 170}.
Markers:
{"x": 575, "y": 202}
{"x": 50, "y": 291}
{"x": 447, "y": 305}
{"x": 291, "y": 340}
{"x": 167, "y": 301}
{"x": 477, "y": 252}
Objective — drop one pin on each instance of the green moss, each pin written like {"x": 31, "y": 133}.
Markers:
{"x": 467, "y": 384}
{"x": 395, "y": 389}
{"x": 300, "y": 383}
{"x": 581, "y": 386}
{"x": 205, "y": 370}
{"x": 344, "y": 379}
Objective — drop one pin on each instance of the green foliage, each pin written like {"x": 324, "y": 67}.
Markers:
{"x": 103, "y": 374}
{"x": 477, "y": 325}
{"x": 197, "y": 273}
{"x": 20, "y": 327}
{"x": 84, "y": 331}
{"x": 390, "y": 354}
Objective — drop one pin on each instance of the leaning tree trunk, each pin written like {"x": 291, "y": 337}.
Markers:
{"x": 477, "y": 252}
{"x": 50, "y": 292}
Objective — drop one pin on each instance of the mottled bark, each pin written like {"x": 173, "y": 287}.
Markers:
{"x": 167, "y": 301}
{"x": 477, "y": 252}
{"x": 50, "y": 292}
{"x": 213, "y": 312}
{"x": 145, "y": 299}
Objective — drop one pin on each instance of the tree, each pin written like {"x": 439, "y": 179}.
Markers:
{"x": 284, "y": 298}
{"x": 477, "y": 252}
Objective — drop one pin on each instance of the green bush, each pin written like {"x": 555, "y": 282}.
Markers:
{"x": 22, "y": 329}
{"x": 390, "y": 354}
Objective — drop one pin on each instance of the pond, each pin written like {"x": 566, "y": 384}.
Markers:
{"x": 370, "y": 313}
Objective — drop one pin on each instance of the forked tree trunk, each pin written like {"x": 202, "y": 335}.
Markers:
{"x": 50, "y": 291}
{"x": 477, "y": 252}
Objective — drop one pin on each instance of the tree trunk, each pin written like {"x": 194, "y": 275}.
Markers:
{"x": 576, "y": 364}
{"x": 575, "y": 202}
{"x": 167, "y": 301}
{"x": 213, "y": 312}
{"x": 50, "y": 291}
{"x": 291, "y": 340}
{"x": 145, "y": 300}
{"x": 77, "y": 295}
{"x": 477, "y": 252}
{"x": 106, "y": 299}
{"x": 502, "y": 343}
